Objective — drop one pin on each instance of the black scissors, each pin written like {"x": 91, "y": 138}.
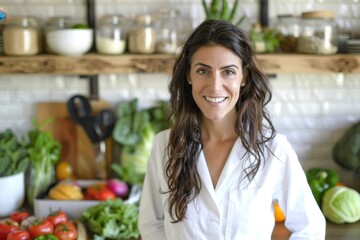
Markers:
{"x": 98, "y": 127}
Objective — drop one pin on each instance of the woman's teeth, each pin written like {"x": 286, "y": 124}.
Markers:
{"x": 215, "y": 100}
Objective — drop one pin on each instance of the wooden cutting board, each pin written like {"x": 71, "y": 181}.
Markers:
{"x": 77, "y": 148}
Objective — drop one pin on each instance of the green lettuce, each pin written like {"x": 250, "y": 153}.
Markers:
{"x": 341, "y": 205}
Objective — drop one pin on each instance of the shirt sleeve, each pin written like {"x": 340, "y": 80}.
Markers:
{"x": 151, "y": 213}
{"x": 303, "y": 215}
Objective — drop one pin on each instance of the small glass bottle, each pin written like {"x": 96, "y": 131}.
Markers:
{"x": 319, "y": 33}
{"x": 142, "y": 36}
{"x": 111, "y": 35}
{"x": 288, "y": 28}
{"x": 22, "y": 36}
{"x": 167, "y": 37}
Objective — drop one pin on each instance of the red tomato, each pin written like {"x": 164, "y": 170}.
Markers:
{"x": 19, "y": 216}
{"x": 66, "y": 231}
{"x": 6, "y": 226}
{"x": 57, "y": 217}
{"x": 18, "y": 234}
{"x": 92, "y": 190}
{"x": 99, "y": 192}
{"x": 104, "y": 195}
{"x": 41, "y": 227}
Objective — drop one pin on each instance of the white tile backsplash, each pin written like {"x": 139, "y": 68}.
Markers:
{"x": 312, "y": 110}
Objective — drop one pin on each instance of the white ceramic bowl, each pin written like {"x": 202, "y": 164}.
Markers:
{"x": 12, "y": 193}
{"x": 70, "y": 42}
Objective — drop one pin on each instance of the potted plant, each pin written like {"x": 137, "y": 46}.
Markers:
{"x": 14, "y": 160}
{"x": 44, "y": 152}
{"x": 220, "y": 9}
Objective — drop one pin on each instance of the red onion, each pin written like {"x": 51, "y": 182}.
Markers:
{"x": 118, "y": 187}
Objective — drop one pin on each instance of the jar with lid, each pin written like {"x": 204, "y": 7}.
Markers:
{"x": 167, "y": 28}
{"x": 288, "y": 29}
{"x": 142, "y": 36}
{"x": 55, "y": 23}
{"x": 319, "y": 33}
{"x": 111, "y": 35}
{"x": 22, "y": 36}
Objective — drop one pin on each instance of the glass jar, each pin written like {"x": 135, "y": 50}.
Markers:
{"x": 55, "y": 23}
{"x": 288, "y": 28}
{"x": 319, "y": 33}
{"x": 142, "y": 36}
{"x": 167, "y": 27}
{"x": 111, "y": 35}
{"x": 22, "y": 36}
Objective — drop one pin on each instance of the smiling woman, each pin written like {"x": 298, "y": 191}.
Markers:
{"x": 222, "y": 165}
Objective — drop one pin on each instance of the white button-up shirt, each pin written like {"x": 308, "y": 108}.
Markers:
{"x": 235, "y": 208}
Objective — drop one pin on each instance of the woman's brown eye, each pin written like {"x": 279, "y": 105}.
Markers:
{"x": 201, "y": 71}
{"x": 229, "y": 72}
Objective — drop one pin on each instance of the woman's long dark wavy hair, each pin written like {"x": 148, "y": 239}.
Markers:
{"x": 253, "y": 124}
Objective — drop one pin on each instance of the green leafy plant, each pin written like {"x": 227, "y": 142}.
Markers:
{"x": 134, "y": 131}
{"x": 220, "y": 9}
{"x": 14, "y": 157}
{"x": 112, "y": 219}
{"x": 44, "y": 152}
{"x": 263, "y": 39}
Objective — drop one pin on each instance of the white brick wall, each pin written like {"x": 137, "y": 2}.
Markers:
{"x": 312, "y": 110}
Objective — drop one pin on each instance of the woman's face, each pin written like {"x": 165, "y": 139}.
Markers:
{"x": 216, "y": 78}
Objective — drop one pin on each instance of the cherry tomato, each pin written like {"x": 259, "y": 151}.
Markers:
{"x": 19, "y": 216}
{"x": 18, "y": 234}
{"x": 57, "y": 217}
{"x": 6, "y": 226}
{"x": 66, "y": 231}
{"x": 100, "y": 192}
{"x": 41, "y": 227}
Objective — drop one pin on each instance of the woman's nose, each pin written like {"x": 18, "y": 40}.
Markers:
{"x": 216, "y": 81}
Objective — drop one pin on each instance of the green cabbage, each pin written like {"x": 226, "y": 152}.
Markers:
{"x": 341, "y": 205}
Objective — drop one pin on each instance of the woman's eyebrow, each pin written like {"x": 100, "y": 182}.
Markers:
{"x": 208, "y": 66}
{"x": 229, "y": 66}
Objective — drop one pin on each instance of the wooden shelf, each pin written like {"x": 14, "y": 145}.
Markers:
{"x": 93, "y": 64}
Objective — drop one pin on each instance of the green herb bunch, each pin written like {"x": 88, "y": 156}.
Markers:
{"x": 220, "y": 9}
{"x": 44, "y": 152}
{"x": 14, "y": 157}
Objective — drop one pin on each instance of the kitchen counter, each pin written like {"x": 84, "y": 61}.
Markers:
{"x": 333, "y": 231}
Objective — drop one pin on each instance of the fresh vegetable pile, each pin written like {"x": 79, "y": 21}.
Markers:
{"x": 100, "y": 191}
{"x": 339, "y": 204}
{"x": 56, "y": 226}
{"x": 112, "y": 219}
